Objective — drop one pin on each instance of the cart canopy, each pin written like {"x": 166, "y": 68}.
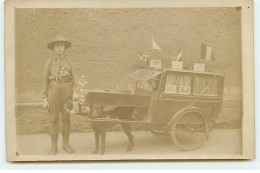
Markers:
{"x": 144, "y": 75}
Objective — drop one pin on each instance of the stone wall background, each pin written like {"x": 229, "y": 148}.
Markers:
{"x": 107, "y": 44}
{"x": 34, "y": 119}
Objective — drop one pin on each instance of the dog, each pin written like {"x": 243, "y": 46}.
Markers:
{"x": 99, "y": 128}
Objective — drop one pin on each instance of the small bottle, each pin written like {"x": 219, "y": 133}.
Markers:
{"x": 76, "y": 106}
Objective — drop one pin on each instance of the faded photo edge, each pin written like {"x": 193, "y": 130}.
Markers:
{"x": 248, "y": 122}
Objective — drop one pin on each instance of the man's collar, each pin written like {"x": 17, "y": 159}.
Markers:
{"x": 56, "y": 57}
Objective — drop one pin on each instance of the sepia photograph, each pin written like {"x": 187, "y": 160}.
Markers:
{"x": 133, "y": 80}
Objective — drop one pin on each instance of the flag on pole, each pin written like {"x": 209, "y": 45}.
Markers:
{"x": 206, "y": 52}
{"x": 179, "y": 57}
{"x": 155, "y": 45}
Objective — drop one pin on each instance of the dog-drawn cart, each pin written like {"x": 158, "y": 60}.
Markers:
{"x": 185, "y": 104}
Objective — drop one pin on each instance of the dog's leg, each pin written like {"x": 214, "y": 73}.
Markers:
{"x": 96, "y": 132}
{"x": 127, "y": 129}
{"x": 103, "y": 140}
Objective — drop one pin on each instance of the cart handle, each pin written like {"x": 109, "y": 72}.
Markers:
{"x": 197, "y": 98}
{"x": 187, "y": 106}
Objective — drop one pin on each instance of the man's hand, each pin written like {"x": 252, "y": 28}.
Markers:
{"x": 45, "y": 104}
{"x": 75, "y": 96}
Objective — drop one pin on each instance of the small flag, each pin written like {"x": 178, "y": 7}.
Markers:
{"x": 83, "y": 80}
{"x": 155, "y": 45}
{"x": 206, "y": 52}
{"x": 179, "y": 57}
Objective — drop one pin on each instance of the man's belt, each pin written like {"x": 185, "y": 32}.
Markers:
{"x": 62, "y": 80}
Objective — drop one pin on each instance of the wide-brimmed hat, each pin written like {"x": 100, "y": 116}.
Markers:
{"x": 59, "y": 39}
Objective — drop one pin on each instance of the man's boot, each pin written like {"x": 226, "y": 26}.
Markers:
{"x": 131, "y": 143}
{"x": 54, "y": 147}
{"x": 96, "y": 144}
{"x": 102, "y": 148}
{"x": 103, "y": 143}
{"x": 65, "y": 145}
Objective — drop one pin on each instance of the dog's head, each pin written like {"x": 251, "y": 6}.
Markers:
{"x": 97, "y": 110}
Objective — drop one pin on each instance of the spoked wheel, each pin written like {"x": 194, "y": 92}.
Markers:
{"x": 158, "y": 129}
{"x": 189, "y": 130}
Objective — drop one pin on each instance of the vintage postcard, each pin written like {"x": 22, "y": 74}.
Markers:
{"x": 129, "y": 80}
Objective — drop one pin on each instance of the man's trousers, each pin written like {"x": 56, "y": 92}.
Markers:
{"x": 58, "y": 95}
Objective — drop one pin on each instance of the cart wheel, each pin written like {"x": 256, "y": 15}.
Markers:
{"x": 189, "y": 130}
{"x": 158, "y": 130}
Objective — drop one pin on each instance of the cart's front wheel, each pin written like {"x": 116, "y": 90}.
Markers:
{"x": 189, "y": 130}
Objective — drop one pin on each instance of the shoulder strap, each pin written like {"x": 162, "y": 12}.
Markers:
{"x": 48, "y": 62}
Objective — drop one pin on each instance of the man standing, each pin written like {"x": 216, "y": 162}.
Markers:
{"x": 59, "y": 86}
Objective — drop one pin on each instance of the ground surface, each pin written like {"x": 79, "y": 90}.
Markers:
{"x": 221, "y": 141}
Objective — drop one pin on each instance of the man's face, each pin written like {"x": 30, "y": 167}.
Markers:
{"x": 59, "y": 48}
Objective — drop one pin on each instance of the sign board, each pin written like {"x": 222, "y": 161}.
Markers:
{"x": 155, "y": 63}
{"x": 199, "y": 67}
{"x": 177, "y": 65}
{"x": 184, "y": 89}
{"x": 170, "y": 89}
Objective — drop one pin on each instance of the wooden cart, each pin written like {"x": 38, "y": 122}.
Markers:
{"x": 185, "y": 104}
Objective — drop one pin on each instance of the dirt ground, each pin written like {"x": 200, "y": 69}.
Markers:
{"x": 221, "y": 141}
